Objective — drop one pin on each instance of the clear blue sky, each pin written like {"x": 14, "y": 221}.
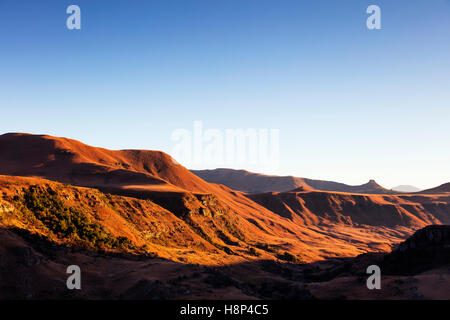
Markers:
{"x": 351, "y": 104}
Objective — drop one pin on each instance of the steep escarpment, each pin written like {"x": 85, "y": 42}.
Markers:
{"x": 314, "y": 208}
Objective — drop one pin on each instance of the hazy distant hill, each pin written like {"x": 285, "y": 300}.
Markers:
{"x": 406, "y": 188}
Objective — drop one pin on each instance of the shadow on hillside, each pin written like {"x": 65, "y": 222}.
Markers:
{"x": 33, "y": 267}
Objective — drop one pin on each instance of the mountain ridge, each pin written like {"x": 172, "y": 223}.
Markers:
{"x": 251, "y": 182}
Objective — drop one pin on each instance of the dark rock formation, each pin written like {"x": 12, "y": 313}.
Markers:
{"x": 428, "y": 248}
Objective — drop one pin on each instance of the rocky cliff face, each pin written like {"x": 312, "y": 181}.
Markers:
{"x": 311, "y": 208}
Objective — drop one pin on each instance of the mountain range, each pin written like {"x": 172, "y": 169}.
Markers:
{"x": 141, "y": 204}
{"x": 250, "y": 182}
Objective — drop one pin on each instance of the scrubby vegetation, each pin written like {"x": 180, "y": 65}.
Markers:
{"x": 252, "y": 251}
{"x": 266, "y": 247}
{"x": 199, "y": 231}
{"x": 289, "y": 257}
{"x": 68, "y": 222}
{"x": 231, "y": 228}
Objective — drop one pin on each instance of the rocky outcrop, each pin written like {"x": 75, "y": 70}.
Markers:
{"x": 428, "y": 248}
{"x": 435, "y": 236}
{"x": 6, "y": 207}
